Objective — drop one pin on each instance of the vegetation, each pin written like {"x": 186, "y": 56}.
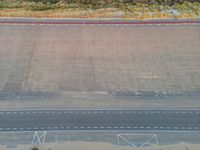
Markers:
{"x": 138, "y": 9}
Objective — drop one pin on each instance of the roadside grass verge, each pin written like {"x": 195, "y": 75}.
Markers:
{"x": 61, "y": 9}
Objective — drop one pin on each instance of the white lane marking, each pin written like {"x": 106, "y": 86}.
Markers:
{"x": 58, "y": 112}
{"x": 72, "y": 25}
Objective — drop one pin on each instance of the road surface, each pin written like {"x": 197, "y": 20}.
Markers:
{"x": 36, "y": 120}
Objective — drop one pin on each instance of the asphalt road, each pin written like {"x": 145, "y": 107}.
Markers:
{"x": 36, "y": 120}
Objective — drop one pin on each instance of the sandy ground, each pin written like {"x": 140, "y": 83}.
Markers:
{"x": 102, "y": 146}
{"x": 54, "y": 62}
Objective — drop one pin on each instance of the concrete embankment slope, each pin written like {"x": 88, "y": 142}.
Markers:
{"x": 90, "y": 58}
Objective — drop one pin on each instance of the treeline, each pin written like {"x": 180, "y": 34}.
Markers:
{"x": 161, "y": 2}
